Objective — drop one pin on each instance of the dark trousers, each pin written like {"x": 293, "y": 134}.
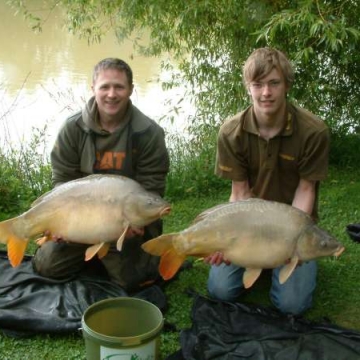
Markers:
{"x": 131, "y": 267}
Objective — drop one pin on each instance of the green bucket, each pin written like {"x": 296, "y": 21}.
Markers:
{"x": 122, "y": 329}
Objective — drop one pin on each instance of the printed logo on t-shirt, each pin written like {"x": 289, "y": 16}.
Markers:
{"x": 109, "y": 160}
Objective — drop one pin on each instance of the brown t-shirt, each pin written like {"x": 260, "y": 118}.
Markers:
{"x": 273, "y": 167}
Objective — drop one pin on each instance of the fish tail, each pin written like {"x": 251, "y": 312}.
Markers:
{"x": 16, "y": 245}
{"x": 171, "y": 260}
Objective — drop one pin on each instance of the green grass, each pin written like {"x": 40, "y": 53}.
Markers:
{"x": 337, "y": 296}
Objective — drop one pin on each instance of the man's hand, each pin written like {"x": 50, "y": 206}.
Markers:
{"x": 216, "y": 259}
{"x": 56, "y": 238}
{"x": 133, "y": 231}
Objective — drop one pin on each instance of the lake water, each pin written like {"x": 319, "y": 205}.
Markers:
{"x": 47, "y": 76}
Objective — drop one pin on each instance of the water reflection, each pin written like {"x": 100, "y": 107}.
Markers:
{"x": 44, "y": 77}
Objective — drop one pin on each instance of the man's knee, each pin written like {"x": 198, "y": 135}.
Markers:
{"x": 220, "y": 292}
{"x": 58, "y": 260}
{"x": 295, "y": 296}
{"x": 225, "y": 282}
{"x": 293, "y": 305}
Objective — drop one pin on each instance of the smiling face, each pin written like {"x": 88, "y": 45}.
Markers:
{"x": 268, "y": 94}
{"x": 112, "y": 92}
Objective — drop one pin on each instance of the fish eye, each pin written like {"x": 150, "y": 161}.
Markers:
{"x": 323, "y": 243}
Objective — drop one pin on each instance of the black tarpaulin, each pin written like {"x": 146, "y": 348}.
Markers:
{"x": 353, "y": 231}
{"x": 31, "y": 304}
{"x": 227, "y": 331}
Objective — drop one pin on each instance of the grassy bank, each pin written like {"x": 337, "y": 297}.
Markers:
{"x": 337, "y": 295}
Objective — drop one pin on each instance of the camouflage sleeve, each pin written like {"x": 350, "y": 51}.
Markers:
{"x": 152, "y": 161}
{"x": 65, "y": 159}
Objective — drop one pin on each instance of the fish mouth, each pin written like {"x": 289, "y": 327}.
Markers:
{"x": 165, "y": 211}
{"x": 338, "y": 252}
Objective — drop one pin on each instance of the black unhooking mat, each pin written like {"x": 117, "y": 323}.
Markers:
{"x": 224, "y": 331}
{"x": 31, "y": 304}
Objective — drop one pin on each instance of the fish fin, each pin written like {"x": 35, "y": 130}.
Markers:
{"x": 16, "y": 249}
{"x": 158, "y": 246}
{"x": 120, "y": 241}
{"x": 250, "y": 276}
{"x": 16, "y": 245}
{"x": 171, "y": 260}
{"x": 207, "y": 212}
{"x": 288, "y": 269}
{"x": 41, "y": 241}
{"x": 103, "y": 250}
{"x": 92, "y": 251}
{"x": 170, "y": 263}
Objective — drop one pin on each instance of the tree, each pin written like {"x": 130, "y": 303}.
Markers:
{"x": 211, "y": 39}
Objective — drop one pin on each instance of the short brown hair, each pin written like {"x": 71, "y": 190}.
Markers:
{"x": 113, "y": 63}
{"x": 262, "y": 61}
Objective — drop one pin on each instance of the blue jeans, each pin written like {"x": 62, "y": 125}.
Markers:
{"x": 293, "y": 297}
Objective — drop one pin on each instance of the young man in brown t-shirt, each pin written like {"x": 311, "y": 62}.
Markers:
{"x": 275, "y": 151}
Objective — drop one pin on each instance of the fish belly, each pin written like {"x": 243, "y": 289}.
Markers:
{"x": 81, "y": 223}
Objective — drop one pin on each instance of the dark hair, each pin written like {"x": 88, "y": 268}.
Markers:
{"x": 262, "y": 61}
{"x": 113, "y": 63}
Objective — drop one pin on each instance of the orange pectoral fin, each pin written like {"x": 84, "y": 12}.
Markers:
{"x": 41, "y": 241}
{"x": 95, "y": 249}
{"x": 120, "y": 241}
{"x": 288, "y": 269}
{"x": 250, "y": 276}
{"x": 16, "y": 249}
{"x": 103, "y": 250}
{"x": 170, "y": 263}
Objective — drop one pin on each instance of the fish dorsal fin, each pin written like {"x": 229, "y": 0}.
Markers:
{"x": 250, "y": 276}
{"x": 170, "y": 263}
{"x": 120, "y": 241}
{"x": 207, "y": 212}
{"x": 16, "y": 249}
{"x": 288, "y": 269}
{"x": 40, "y": 198}
{"x": 92, "y": 251}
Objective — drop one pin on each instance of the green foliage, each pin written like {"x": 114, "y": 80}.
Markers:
{"x": 344, "y": 150}
{"x": 25, "y": 174}
{"x": 210, "y": 40}
{"x": 193, "y": 162}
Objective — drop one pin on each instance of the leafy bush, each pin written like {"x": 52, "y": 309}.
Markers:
{"x": 344, "y": 150}
{"x": 25, "y": 174}
{"x": 192, "y": 159}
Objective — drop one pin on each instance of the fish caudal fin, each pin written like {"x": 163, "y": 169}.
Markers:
{"x": 170, "y": 263}
{"x": 171, "y": 260}
{"x": 16, "y": 245}
{"x": 288, "y": 269}
{"x": 250, "y": 276}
